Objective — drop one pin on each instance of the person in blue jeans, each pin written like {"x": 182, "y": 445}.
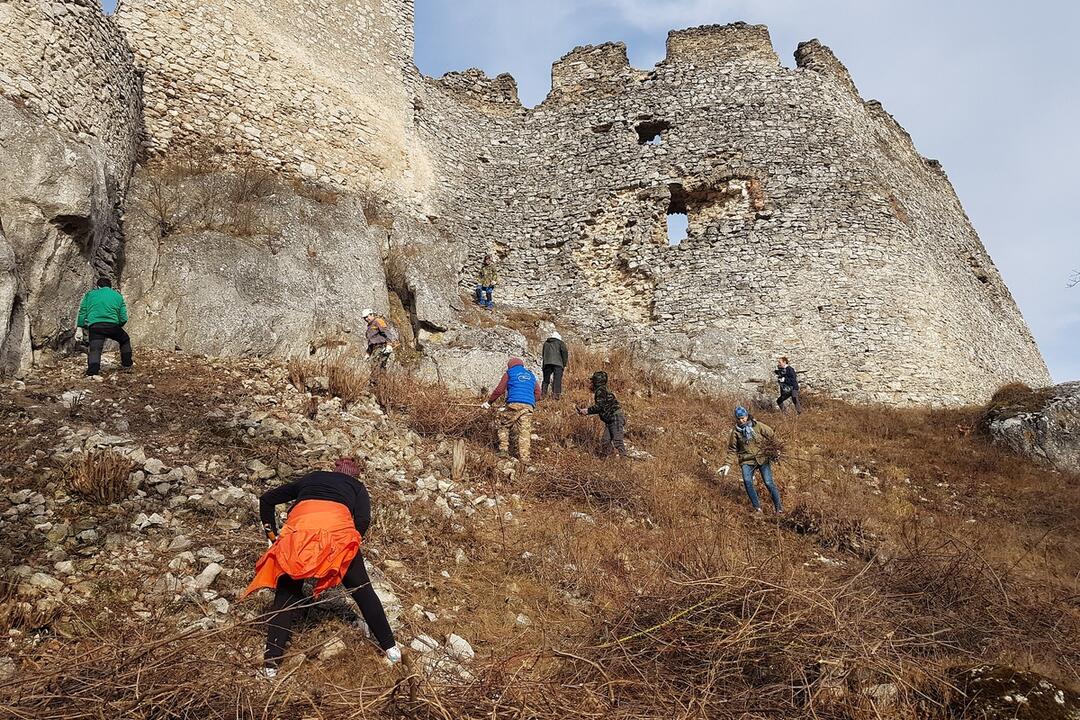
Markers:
{"x": 489, "y": 278}
{"x": 747, "y": 446}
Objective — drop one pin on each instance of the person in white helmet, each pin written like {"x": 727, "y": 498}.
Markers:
{"x": 556, "y": 360}
{"x": 380, "y": 336}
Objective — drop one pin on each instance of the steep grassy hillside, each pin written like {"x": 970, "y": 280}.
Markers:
{"x": 916, "y": 571}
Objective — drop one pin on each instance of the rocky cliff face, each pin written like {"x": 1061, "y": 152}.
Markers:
{"x": 70, "y": 128}
{"x": 241, "y": 263}
{"x": 58, "y": 229}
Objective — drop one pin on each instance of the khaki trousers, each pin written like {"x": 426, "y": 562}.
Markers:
{"x": 516, "y": 419}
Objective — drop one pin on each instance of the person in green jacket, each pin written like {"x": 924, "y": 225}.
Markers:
{"x": 102, "y": 315}
{"x": 489, "y": 278}
{"x": 746, "y": 445}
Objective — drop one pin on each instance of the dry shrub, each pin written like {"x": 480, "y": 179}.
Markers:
{"x": 945, "y": 588}
{"x": 755, "y": 644}
{"x": 398, "y": 260}
{"x": 376, "y": 211}
{"x": 251, "y": 182}
{"x": 1011, "y": 400}
{"x": 100, "y": 476}
{"x": 832, "y": 531}
{"x": 606, "y": 482}
{"x": 348, "y": 381}
{"x": 322, "y": 194}
{"x": 432, "y": 409}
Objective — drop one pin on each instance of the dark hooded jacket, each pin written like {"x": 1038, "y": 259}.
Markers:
{"x": 605, "y": 404}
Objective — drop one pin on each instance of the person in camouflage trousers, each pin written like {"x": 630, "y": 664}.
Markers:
{"x": 606, "y": 405}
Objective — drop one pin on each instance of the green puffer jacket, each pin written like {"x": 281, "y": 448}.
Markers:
{"x": 752, "y": 452}
{"x": 102, "y": 305}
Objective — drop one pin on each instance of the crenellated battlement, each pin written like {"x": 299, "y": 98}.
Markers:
{"x": 592, "y": 68}
{"x": 498, "y": 94}
{"x": 720, "y": 44}
{"x": 812, "y": 55}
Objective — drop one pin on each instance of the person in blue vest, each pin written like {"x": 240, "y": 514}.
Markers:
{"x": 522, "y": 393}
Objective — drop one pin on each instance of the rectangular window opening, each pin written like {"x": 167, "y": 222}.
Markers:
{"x": 651, "y": 132}
{"x": 677, "y": 224}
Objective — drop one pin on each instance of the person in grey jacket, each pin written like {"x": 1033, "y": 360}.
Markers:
{"x": 556, "y": 359}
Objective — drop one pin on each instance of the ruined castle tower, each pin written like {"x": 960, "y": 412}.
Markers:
{"x": 816, "y": 229}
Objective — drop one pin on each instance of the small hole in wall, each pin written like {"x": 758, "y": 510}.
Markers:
{"x": 651, "y": 132}
{"x": 676, "y": 228}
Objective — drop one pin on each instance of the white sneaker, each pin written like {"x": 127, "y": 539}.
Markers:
{"x": 393, "y": 655}
{"x": 269, "y": 672}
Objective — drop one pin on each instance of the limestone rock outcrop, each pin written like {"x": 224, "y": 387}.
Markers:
{"x": 473, "y": 359}
{"x": 70, "y": 128}
{"x": 238, "y": 263}
{"x": 1049, "y": 432}
{"x": 58, "y": 229}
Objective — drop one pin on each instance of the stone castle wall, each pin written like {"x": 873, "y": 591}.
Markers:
{"x": 66, "y": 62}
{"x": 815, "y": 228}
{"x": 312, "y": 87}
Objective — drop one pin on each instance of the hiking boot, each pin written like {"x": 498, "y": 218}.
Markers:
{"x": 127, "y": 369}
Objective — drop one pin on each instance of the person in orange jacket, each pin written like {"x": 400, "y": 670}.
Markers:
{"x": 320, "y": 540}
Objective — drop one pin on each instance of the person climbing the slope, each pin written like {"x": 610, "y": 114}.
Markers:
{"x": 380, "y": 338}
{"x": 489, "y": 278}
{"x": 788, "y": 381}
{"x": 522, "y": 393}
{"x": 747, "y": 446}
{"x": 102, "y": 315}
{"x": 321, "y": 541}
{"x": 555, "y": 360}
{"x": 606, "y": 405}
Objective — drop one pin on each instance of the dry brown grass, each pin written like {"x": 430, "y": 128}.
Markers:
{"x": 942, "y": 552}
{"x": 337, "y": 370}
{"x": 100, "y": 476}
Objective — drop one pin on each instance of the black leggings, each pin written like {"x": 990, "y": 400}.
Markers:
{"x": 289, "y": 603}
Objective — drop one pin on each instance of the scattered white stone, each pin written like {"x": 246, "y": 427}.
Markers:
{"x": 424, "y": 644}
{"x": 332, "y": 649}
{"x": 460, "y": 648}
{"x": 45, "y": 582}
{"x": 207, "y": 577}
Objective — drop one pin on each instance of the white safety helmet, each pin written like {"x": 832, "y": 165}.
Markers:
{"x": 368, "y": 312}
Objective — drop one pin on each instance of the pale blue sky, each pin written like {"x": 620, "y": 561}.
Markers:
{"x": 988, "y": 87}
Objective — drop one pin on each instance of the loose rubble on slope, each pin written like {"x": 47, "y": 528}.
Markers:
{"x": 180, "y": 548}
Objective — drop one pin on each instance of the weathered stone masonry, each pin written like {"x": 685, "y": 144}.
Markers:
{"x": 815, "y": 228}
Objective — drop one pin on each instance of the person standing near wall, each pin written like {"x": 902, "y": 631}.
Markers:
{"x": 321, "y": 541}
{"x": 788, "y": 381}
{"x": 103, "y": 314}
{"x": 556, "y": 360}
{"x": 606, "y": 405}
{"x": 522, "y": 393}
{"x": 746, "y": 445}
{"x": 489, "y": 278}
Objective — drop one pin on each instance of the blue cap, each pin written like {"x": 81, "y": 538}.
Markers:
{"x": 741, "y": 412}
